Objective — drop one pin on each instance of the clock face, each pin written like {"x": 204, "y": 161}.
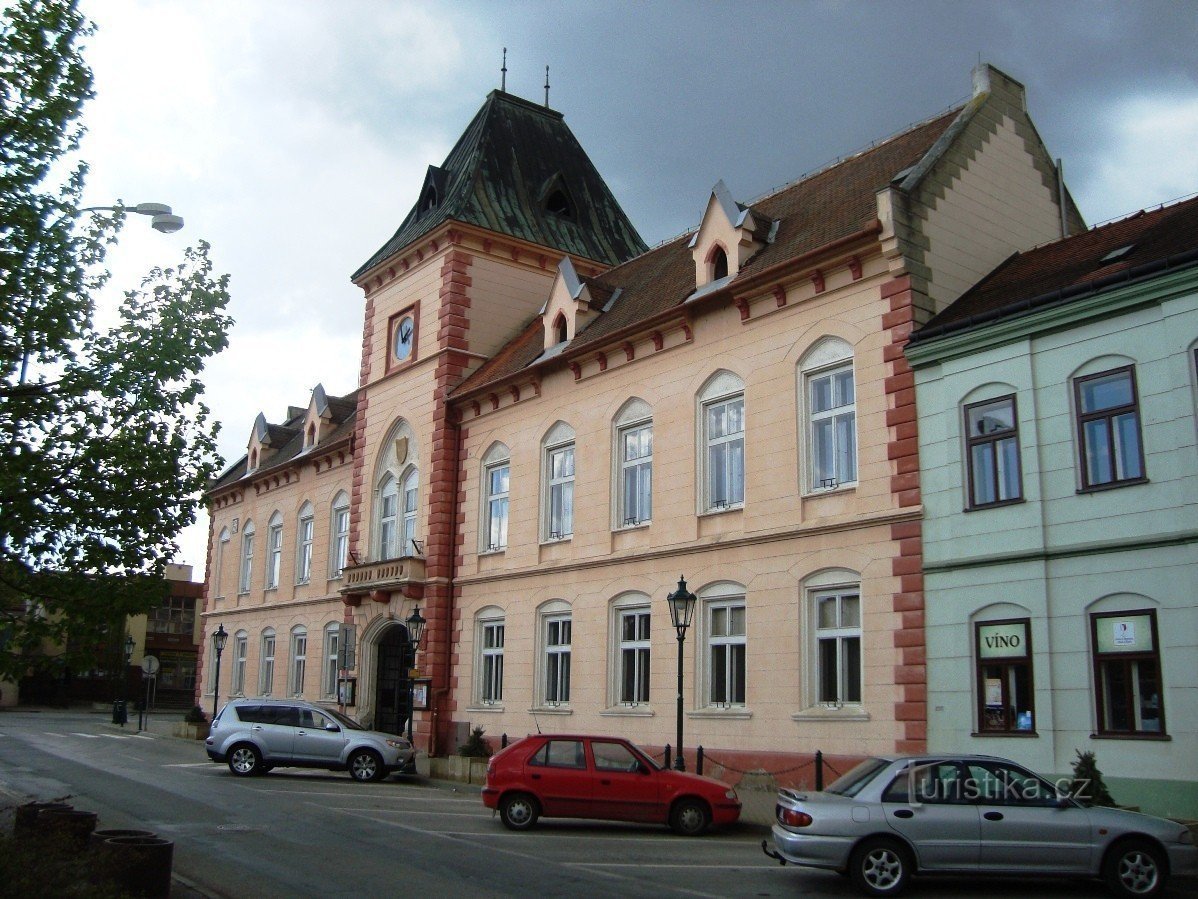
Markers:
{"x": 403, "y": 338}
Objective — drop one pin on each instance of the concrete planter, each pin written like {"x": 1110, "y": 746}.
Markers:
{"x": 459, "y": 768}
{"x": 438, "y": 768}
{"x": 478, "y": 771}
{"x": 189, "y": 731}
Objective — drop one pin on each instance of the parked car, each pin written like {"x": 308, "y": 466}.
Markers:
{"x": 255, "y": 735}
{"x": 571, "y": 776}
{"x": 889, "y": 818}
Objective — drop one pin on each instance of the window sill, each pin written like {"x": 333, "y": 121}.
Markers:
{"x": 335, "y": 577}
{"x": 620, "y": 711}
{"x": 551, "y": 710}
{"x": 736, "y": 712}
{"x": 998, "y": 505}
{"x": 639, "y": 526}
{"x": 484, "y": 709}
{"x": 819, "y": 713}
{"x": 1158, "y": 738}
{"x": 1004, "y": 734}
{"x": 739, "y": 507}
{"x": 497, "y": 551}
{"x": 553, "y": 541}
{"x": 816, "y": 492}
{"x": 1114, "y": 485}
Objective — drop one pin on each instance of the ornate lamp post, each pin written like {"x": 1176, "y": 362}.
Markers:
{"x": 415, "y": 623}
{"x": 682, "y": 609}
{"x": 218, "y": 644}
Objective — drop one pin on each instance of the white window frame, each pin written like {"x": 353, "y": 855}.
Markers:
{"x": 409, "y": 495}
{"x": 495, "y": 501}
{"x": 839, "y": 634}
{"x": 240, "y": 650}
{"x": 722, "y": 391}
{"x": 638, "y": 650}
{"x": 555, "y": 622}
{"x": 246, "y": 562}
{"x": 557, "y": 443}
{"x": 297, "y": 668}
{"x": 734, "y": 646}
{"x": 266, "y": 662}
{"x": 332, "y": 672}
{"x": 218, "y": 568}
{"x": 490, "y": 633}
{"x": 828, "y": 358}
{"x": 339, "y": 529}
{"x": 274, "y": 551}
{"x": 305, "y": 532}
{"x": 636, "y": 473}
{"x": 388, "y": 517}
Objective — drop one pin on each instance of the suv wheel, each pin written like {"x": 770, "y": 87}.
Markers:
{"x": 366, "y": 766}
{"x": 245, "y": 760}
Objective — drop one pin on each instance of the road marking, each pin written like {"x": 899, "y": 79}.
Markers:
{"x": 85, "y": 736}
{"x": 142, "y": 737}
{"x": 115, "y": 736}
{"x": 188, "y": 765}
{"x": 354, "y": 789}
{"x": 687, "y": 866}
{"x": 400, "y": 811}
{"x": 50, "y": 733}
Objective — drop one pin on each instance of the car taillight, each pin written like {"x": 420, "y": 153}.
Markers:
{"x": 793, "y": 817}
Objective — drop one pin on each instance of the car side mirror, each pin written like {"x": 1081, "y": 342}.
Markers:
{"x": 332, "y": 728}
{"x": 1063, "y": 802}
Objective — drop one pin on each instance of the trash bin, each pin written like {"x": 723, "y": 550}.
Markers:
{"x": 120, "y": 712}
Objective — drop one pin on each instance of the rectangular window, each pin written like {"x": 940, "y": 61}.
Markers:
{"x": 838, "y": 647}
{"x": 176, "y": 616}
{"x": 992, "y": 447}
{"x": 304, "y": 567}
{"x": 247, "y": 561}
{"x": 634, "y": 656}
{"x": 636, "y": 474}
{"x": 1006, "y": 701}
{"x": 407, "y": 546}
{"x": 726, "y": 648}
{"x": 492, "y": 662}
{"x": 274, "y": 557}
{"x": 1109, "y": 429}
{"x": 299, "y": 663}
{"x": 560, "y": 514}
{"x": 266, "y": 668}
{"x": 388, "y": 517}
{"x": 1127, "y": 674}
{"x": 331, "y": 667}
{"x": 833, "y": 419}
{"x": 240, "y": 650}
{"x": 340, "y": 540}
{"x": 557, "y": 659}
{"x": 724, "y": 422}
{"x": 498, "y": 478}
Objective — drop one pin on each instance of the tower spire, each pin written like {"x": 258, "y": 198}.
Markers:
{"x": 546, "y": 87}
{"x": 503, "y": 73}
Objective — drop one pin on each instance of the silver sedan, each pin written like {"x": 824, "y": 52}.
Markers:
{"x": 891, "y": 817}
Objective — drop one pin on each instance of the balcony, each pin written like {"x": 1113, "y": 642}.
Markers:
{"x": 379, "y": 580}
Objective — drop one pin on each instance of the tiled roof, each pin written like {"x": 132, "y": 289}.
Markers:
{"x": 1074, "y": 267}
{"x": 812, "y": 213}
{"x": 344, "y": 414}
{"x": 510, "y": 157}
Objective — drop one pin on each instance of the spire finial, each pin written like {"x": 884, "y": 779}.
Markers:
{"x": 503, "y": 73}
{"x": 546, "y": 87}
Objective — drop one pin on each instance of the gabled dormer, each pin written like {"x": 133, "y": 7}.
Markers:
{"x": 432, "y": 194}
{"x": 318, "y": 418}
{"x": 259, "y": 449}
{"x": 570, "y": 307}
{"x": 729, "y": 235}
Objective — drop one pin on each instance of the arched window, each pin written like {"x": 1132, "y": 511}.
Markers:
{"x": 388, "y": 518}
{"x": 719, "y": 263}
{"x": 310, "y": 436}
{"x": 497, "y": 467}
{"x": 725, "y": 643}
{"x": 559, "y": 329}
{"x": 303, "y": 556}
{"x": 240, "y": 650}
{"x": 395, "y": 493}
{"x": 830, "y": 410}
{"x": 339, "y": 528}
{"x": 557, "y": 203}
{"x": 429, "y": 200}
{"x": 218, "y": 564}
{"x": 247, "y": 557}
{"x": 274, "y": 550}
{"x": 410, "y": 491}
{"x": 488, "y": 657}
{"x": 722, "y": 417}
{"x": 557, "y": 465}
{"x": 633, "y": 432}
{"x": 299, "y": 661}
{"x": 332, "y": 647}
{"x": 554, "y": 634}
{"x": 266, "y": 663}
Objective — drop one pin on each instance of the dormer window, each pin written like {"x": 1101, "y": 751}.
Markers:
{"x": 310, "y": 436}
{"x": 719, "y": 264}
{"x": 253, "y": 460}
{"x": 428, "y": 201}
{"x": 557, "y": 203}
{"x": 559, "y": 329}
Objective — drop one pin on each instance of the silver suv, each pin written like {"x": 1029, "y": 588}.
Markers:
{"x": 255, "y": 735}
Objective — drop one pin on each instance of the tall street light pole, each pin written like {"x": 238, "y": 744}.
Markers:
{"x": 218, "y": 644}
{"x": 682, "y": 609}
{"x": 415, "y": 623}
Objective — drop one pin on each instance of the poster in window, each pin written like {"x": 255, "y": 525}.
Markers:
{"x": 420, "y": 694}
{"x": 994, "y": 691}
{"x": 1125, "y": 633}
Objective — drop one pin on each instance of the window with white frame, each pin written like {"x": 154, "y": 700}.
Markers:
{"x": 725, "y": 651}
{"x": 634, "y": 649}
{"x": 490, "y": 636}
{"x": 830, "y": 399}
{"x": 410, "y": 491}
{"x": 634, "y": 452}
{"x": 274, "y": 551}
{"x": 837, "y": 614}
{"x": 722, "y": 407}
{"x": 559, "y": 483}
{"x": 1108, "y": 426}
{"x": 241, "y": 641}
{"x": 497, "y": 468}
{"x": 247, "y": 558}
{"x": 331, "y": 670}
{"x": 339, "y": 553}
{"x": 266, "y": 663}
{"x": 218, "y": 568}
{"x": 555, "y": 630}
{"x": 299, "y": 661}
{"x": 388, "y": 524}
{"x": 303, "y": 559}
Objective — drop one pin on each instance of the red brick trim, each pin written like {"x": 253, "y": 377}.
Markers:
{"x": 910, "y": 639}
{"x": 359, "y": 441}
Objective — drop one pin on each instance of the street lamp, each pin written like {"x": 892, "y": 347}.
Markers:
{"x": 415, "y": 623}
{"x": 218, "y": 643}
{"x": 122, "y": 715}
{"x": 682, "y": 609}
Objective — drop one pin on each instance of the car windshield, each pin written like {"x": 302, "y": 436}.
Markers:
{"x": 647, "y": 759}
{"x": 345, "y": 720}
{"x": 854, "y": 781}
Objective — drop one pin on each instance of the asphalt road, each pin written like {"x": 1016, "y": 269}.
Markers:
{"x": 310, "y": 833}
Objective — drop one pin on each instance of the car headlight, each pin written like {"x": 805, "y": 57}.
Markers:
{"x": 731, "y": 794}
{"x": 1186, "y": 836}
{"x": 399, "y": 744}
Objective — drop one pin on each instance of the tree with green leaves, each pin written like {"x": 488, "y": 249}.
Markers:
{"x": 105, "y": 443}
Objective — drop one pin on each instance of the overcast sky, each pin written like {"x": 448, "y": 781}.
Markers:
{"x": 294, "y": 134}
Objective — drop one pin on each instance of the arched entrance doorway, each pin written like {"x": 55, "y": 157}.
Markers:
{"x": 393, "y": 662}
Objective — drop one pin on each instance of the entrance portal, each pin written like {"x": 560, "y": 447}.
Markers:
{"x": 392, "y": 695}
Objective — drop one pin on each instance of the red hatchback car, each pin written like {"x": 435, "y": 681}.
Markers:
{"x": 570, "y": 776}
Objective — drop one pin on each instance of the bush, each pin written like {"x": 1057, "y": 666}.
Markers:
{"x": 475, "y": 746}
{"x": 196, "y": 716}
{"x": 1088, "y": 787}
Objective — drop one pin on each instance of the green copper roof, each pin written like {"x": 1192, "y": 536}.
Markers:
{"x": 518, "y": 170}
